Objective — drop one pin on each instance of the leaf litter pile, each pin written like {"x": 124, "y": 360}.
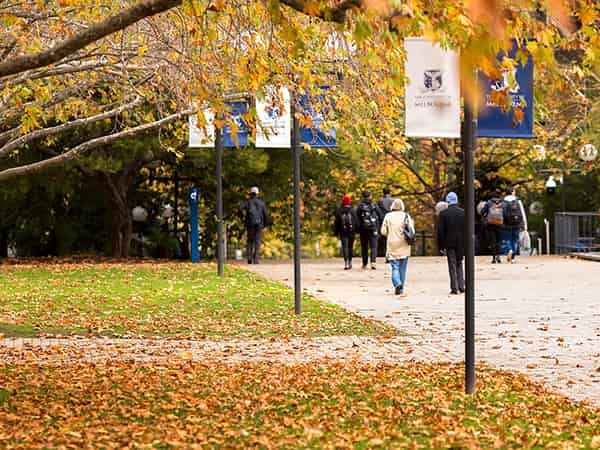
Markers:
{"x": 164, "y": 299}
{"x": 344, "y": 405}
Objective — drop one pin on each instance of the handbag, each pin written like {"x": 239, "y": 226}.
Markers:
{"x": 409, "y": 232}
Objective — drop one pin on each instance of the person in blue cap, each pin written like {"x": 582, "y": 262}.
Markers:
{"x": 451, "y": 232}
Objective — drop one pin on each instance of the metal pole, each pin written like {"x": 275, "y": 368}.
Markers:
{"x": 195, "y": 254}
{"x": 297, "y": 242}
{"x": 563, "y": 199}
{"x": 468, "y": 142}
{"x": 219, "y": 151}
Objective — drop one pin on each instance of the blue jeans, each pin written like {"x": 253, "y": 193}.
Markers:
{"x": 513, "y": 240}
{"x": 399, "y": 271}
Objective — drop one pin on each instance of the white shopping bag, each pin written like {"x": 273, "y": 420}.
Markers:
{"x": 524, "y": 243}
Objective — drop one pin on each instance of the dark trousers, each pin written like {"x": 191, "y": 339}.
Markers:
{"x": 368, "y": 239}
{"x": 253, "y": 244}
{"x": 382, "y": 246}
{"x": 494, "y": 238}
{"x": 455, "y": 269}
{"x": 347, "y": 247}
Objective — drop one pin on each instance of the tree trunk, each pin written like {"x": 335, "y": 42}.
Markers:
{"x": 122, "y": 225}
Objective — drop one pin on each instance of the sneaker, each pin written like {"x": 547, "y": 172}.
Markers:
{"x": 399, "y": 290}
{"x": 346, "y": 266}
{"x": 509, "y": 257}
{"x": 364, "y": 267}
{"x": 513, "y": 260}
{"x": 350, "y": 265}
{"x": 373, "y": 266}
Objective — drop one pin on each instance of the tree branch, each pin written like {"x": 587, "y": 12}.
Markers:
{"x": 10, "y": 146}
{"x": 39, "y": 166}
{"x": 143, "y": 9}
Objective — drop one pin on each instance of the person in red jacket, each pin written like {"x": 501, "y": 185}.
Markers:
{"x": 346, "y": 225}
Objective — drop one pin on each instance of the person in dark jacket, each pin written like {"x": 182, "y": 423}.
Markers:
{"x": 346, "y": 225}
{"x": 493, "y": 219}
{"x": 368, "y": 227}
{"x": 384, "y": 206}
{"x": 451, "y": 229}
{"x": 256, "y": 218}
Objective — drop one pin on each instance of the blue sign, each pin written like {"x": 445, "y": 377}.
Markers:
{"x": 515, "y": 119}
{"x": 237, "y": 111}
{"x": 194, "y": 225}
{"x": 314, "y": 135}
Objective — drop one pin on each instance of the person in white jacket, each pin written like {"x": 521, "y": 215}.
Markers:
{"x": 515, "y": 221}
{"x": 397, "y": 249}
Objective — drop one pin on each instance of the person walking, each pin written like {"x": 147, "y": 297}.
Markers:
{"x": 256, "y": 218}
{"x": 346, "y": 225}
{"x": 493, "y": 220}
{"x": 451, "y": 229}
{"x": 398, "y": 249}
{"x": 384, "y": 206}
{"x": 514, "y": 221}
{"x": 368, "y": 226}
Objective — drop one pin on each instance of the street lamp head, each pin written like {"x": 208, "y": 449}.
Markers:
{"x": 550, "y": 185}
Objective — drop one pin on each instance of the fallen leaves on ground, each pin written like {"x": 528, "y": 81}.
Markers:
{"x": 344, "y": 405}
{"x": 175, "y": 299}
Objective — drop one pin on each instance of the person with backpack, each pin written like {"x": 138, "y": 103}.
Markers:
{"x": 256, "y": 217}
{"x": 514, "y": 221}
{"x": 451, "y": 240}
{"x": 384, "y": 206}
{"x": 399, "y": 229}
{"x": 368, "y": 228}
{"x": 493, "y": 219}
{"x": 346, "y": 225}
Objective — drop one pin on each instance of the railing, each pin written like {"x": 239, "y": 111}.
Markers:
{"x": 576, "y": 232}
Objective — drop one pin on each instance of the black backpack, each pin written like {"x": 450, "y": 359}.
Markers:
{"x": 368, "y": 217}
{"x": 512, "y": 213}
{"x": 255, "y": 217}
{"x": 347, "y": 222}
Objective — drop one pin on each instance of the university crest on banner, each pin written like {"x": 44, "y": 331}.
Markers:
{"x": 432, "y": 97}
{"x": 508, "y": 107}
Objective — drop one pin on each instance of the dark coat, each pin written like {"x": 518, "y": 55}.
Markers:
{"x": 262, "y": 208}
{"x": 451, "y": 228}
{"x": 339, "y": 231}
{"x": 385, "y": 204}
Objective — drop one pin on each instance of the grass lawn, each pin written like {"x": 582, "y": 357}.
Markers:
{"x": 169, "y": 299}
{"x": 344, "y": 405}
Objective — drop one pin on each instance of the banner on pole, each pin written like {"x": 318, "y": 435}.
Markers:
{"x": 202, "y": 137}
{"x": 514, "y": 117}
{"x": 432, "y": 99}
{"x": 273, "y": 129}
{"x": 317, "y": 108}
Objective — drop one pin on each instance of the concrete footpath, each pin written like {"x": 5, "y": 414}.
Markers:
{"x": 540, "y": 316}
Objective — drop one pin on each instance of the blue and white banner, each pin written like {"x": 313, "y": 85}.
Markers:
{"x": 432, "y": 99}
{"x": 317, "y": 107}
{"x": 205, "y": 136}
{"x": 513, "y": 118}
{"x": 273, "y": 129}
